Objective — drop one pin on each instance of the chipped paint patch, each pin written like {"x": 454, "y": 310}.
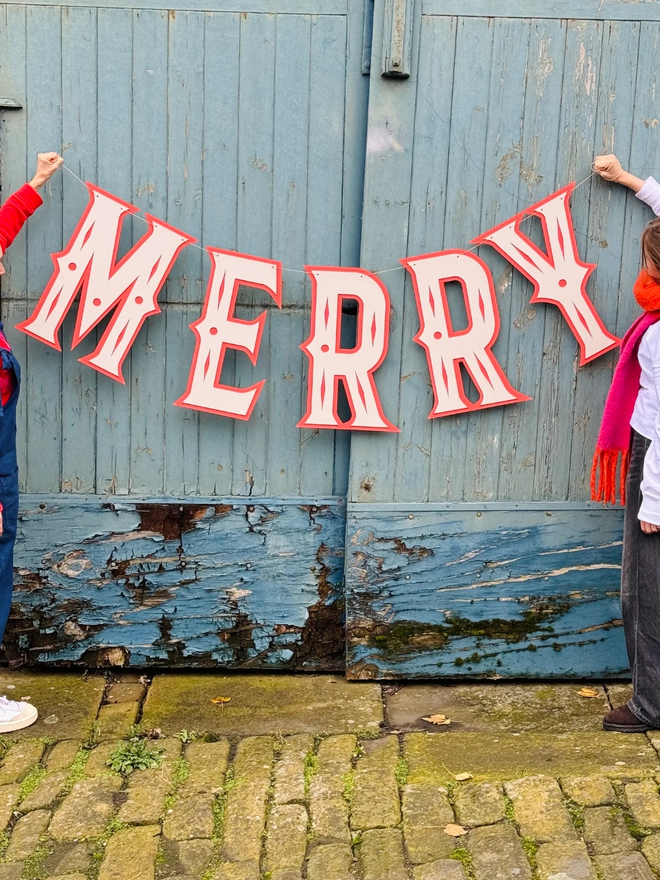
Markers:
{"x": 253, "y": 583}
{"x": 486, "y": 592}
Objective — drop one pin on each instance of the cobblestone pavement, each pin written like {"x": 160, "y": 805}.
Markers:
{"x": 289, "y": 777}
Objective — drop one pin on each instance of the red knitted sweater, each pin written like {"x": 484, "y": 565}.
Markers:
{"x": 13, "y": 214}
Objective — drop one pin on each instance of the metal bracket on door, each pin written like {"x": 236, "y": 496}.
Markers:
{"x": 397, "y": 38}
{"x": 10, "y": 104}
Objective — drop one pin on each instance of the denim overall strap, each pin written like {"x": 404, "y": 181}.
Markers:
{"x": 8, "y": 489}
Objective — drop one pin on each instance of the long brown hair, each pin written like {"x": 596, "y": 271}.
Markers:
{"x": 650, "y": 242}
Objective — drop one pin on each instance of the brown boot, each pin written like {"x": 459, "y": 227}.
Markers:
{"x": 623, "y": 720}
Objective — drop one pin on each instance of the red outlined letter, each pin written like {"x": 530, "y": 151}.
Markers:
{"x": 329, "y": 363}
{"x": 445, "y": 348}
{"x": 89, "y": 262}
{"x": 216, "y": 331}
{"x": 558, "y": 276}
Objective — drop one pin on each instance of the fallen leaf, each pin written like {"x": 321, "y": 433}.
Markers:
{"x": 437, "y": 719}
{"x": 220, "y": 699}
{"x": 455, "y": 830}
{"x": 463, "y": 777}
{"x": 587, "y": 692}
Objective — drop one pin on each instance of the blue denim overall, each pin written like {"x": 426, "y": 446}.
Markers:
{"x": 8, "y": 488}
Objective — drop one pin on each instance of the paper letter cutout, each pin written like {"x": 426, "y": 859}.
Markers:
{"x": 89, "y": 262}
{"x": 445, "y": 348}
{"x": 558, "y": 276}
{"x": 216, "y": 331}
{"x": 329, "y": 363}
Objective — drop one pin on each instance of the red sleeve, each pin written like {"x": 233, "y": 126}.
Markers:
{"x": 15, "y": 211}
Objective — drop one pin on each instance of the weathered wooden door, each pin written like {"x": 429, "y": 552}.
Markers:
{"x": 153, "y": 534}
{"x": 150, "y": 533}
{"x": 472, "y": 547}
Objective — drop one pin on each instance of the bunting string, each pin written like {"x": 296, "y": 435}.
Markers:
{"x": 202, "y": 248}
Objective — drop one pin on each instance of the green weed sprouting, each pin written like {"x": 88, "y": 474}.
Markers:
{"x": 401, "y": 772}
{"x": 187, "y": 736}
{"x": 311, "y": 766}
{"x": 349, "y": 786}
{"x": 31, "y": 781}
{"x": 462, "y": 855}
{"x": 136, "y": 754}
{"x": 530, "y": 848}
{"x": 180, "y": 772}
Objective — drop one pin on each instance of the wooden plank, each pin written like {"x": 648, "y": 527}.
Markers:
{"x": 254, "y": 233}
{"x": 284, "y": 385}
{"x": 326, "y": 144}
{"x": 536, "y": 178}
{"x": 385, "y": 221}
{"x": 165, "y": 582}
{"x": 467, "y": 157}
{"x": 575, "y": 152}
{"x": 356, "y": 118}
{"x": 297, "y": 7}
{"x": 42, "y": 368}
{"x": 181, "y": 425}
{"x": 219, "y": 214}
{"x": 115, "y": 140}
{"x": 359, "y": 24}
{"x": 185, "y": 283}
{"x": 150, "y": 40}
{"x": 501, "y": 200}
{"x": 185, "y": 118}
{"x": 79, "y": 138}
{"x": 428, "y": 193}
{"x": 645, "y": 158}
{"x": 449, "y": 591}
{"x": 13, "y": 174}
{"x": 617, "y": 10}
{"x": 605, "y": 224}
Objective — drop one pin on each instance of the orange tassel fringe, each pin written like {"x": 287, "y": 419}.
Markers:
{"x": 604, "y": 472}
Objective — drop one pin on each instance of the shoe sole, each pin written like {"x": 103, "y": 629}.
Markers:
{"x": 18, "y": 724}
{"x": 626, "y": 728}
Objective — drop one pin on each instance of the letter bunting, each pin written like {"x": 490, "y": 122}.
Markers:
{"x": 131, "y": 287}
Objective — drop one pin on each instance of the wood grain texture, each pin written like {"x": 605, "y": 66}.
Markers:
{"x": 244, "y": 128}
{"x": 307, "y": 7}
{"x": 169, "y": 582}
{"x": 503, "y": 110}
{"x": 483, "y": 591}
{"x": 615, "y": 10}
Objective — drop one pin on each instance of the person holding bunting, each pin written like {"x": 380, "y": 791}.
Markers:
{"x": 13, "y": 214}
{"x": 628, "y": 452}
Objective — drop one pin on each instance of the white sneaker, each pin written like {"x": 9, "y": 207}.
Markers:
{"x": 16, "y": 716}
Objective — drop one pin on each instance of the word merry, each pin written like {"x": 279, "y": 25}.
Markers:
{"x": 131, "y": 287}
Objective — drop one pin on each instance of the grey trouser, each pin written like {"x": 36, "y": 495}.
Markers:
{"x": 640, "y": 595}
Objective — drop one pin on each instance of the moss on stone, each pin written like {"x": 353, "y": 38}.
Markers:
{"x": 412, "y": 636}
{"x": 348, "y": 780}
{"x": 639, "y": 832}
{"x": 579, "y": 753}
{"x": 462, "y": 855}
{"x": 261, "y": 704}
{"x": 401, "y": 772}
{"x": 576, "y": 813}
{"x": 32, "y": 866}
{"x": 31, "y": 781}
{"x": 310, "y": 766}
{"x": 530, "y": 848}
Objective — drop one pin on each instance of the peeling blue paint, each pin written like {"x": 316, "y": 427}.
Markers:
{"x": 483, "y": 590}
{"x": 149, "y": 582}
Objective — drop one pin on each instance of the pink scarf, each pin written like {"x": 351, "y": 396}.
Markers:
{"x": 614, "y": 436}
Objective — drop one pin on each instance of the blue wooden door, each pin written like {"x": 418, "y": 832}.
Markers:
{"x": 472, "y": 547}
{"x": 150, "y": 533}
